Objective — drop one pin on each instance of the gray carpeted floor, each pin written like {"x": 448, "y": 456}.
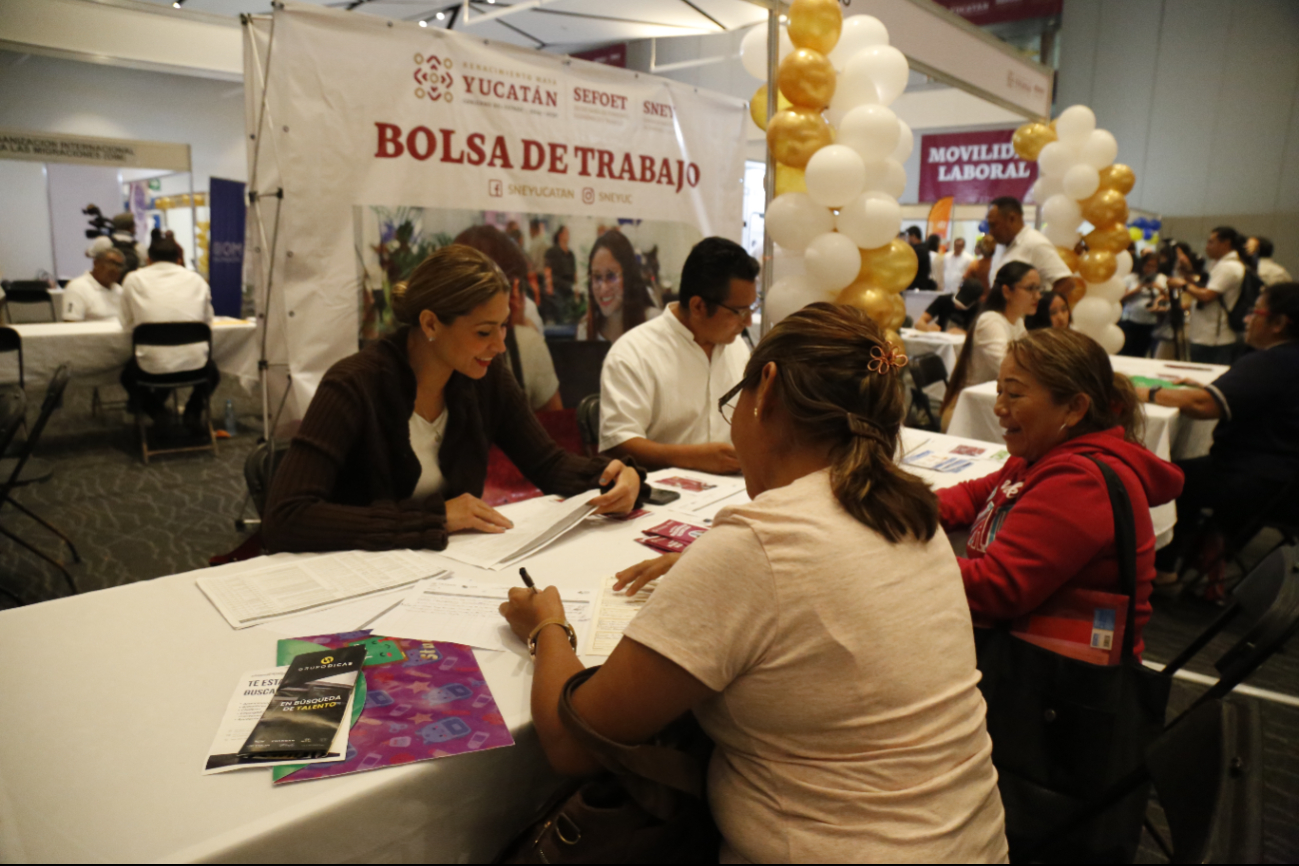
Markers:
{"x": 135, "y": 522}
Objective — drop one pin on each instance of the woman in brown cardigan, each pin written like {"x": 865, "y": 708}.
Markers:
{"x": 392, "y": 452}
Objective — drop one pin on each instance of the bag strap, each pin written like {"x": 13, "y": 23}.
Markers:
{"x": 660, "y": 764}
{"x": 1125, "y": 548}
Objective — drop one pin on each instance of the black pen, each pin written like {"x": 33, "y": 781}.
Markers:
{"x": 527, "y": 581}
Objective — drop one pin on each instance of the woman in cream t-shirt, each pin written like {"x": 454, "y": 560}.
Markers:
{"x": 820, "y": 633}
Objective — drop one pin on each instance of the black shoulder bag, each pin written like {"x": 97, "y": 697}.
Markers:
{"x": 648, "y": 807}
{"x": 1063, "y": 730}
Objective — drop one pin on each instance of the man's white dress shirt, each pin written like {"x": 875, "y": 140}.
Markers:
{"x": 954, "y": 268}
{"x": 1034, "y": 248}
{"x": 1207, "y": 324}
{"x": 658, "y": 384}
{"x": 166, "y": 292}
{"x": 86, "y": 299}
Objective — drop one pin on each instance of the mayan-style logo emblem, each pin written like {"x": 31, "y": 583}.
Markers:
{"x": 433, "y": 78}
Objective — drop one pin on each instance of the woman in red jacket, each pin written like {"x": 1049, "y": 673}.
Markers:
{"x": 1044, "y": 522}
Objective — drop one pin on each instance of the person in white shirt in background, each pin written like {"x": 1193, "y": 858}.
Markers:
{"x": 661, "y": 381}
{"x": 1024, "y": 243}
{"x": 166, "y": 292}
{"x": 1015, "y": 293}
{"x": 936, "y": 258}
{"x": 1208, "y": 329}
{"x": 955, "y": 264}
{"x": 96, "y": 295}
{"x": 1269, "y": 271}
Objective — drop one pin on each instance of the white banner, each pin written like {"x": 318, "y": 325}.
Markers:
{"x": 388, "y": 138}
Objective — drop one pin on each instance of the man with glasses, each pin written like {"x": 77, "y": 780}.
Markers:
{"x": 662, "y": 380}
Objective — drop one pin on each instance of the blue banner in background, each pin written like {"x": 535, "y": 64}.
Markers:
{"x": 226, "y": 246}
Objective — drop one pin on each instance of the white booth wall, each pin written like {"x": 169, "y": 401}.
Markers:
{"x": 56, "y": 95}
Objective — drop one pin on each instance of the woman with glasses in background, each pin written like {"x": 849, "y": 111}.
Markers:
{"x": 617, "y": 299}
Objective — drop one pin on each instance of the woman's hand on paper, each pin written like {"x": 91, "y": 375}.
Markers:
{"x": 527, "y": 607}
{"x": 642, "y": 573}
{"x": 622, "y": 498}
{"x": 469, "y": 512}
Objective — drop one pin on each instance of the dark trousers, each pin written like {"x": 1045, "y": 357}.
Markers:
{"x": 154, "y": 400}
{"x": 1236, "y": 495}
{"x": 1137, "y": 344}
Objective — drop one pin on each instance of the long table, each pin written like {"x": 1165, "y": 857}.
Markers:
{"x": 97, "y": 350}
{"x": 112, "y": 699}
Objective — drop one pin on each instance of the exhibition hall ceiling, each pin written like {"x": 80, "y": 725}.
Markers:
{"x": 541, "y": 24}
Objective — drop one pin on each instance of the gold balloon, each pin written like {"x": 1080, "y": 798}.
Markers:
{"x": 1118, "y": 177}
{"x": 789, "y": 179}
{"x": 890, "y": 268}
{"x": 1030, "y": 138}
{"x": 796, "y": 133}
{"x": 806, "y": 78}
{"x": 1109, "y": 237}
{"x": 1097, "y": 266}
{"x": 1075, "y": 293}
{"x": 896, "y": 340}
{"x": 815, "y": 24}
{"x": 758, "y": 106}
{"x": 875, "y": 303}
{"x": 1069, "y": 257}
{"x": 1105, "y": 207}
{"x": 899, "y": 314}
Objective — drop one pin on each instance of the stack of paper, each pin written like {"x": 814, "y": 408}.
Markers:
{"x": 537, "y": 523}
{"x": 249, "y": 596}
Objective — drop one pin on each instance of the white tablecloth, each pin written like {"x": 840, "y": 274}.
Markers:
{"x": 944, "y": 345}
{"x": 97, "y": 350}
{"x": 918, "y": 301}
{"x": 112, "y": 699}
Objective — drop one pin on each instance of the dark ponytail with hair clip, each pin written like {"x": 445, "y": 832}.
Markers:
{"x": 837, "y": 378}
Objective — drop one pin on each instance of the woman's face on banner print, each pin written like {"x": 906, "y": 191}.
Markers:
{"x": 606, "y": 282}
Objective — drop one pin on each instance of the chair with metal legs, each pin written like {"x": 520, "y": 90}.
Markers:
{"x": 53, "y": 398}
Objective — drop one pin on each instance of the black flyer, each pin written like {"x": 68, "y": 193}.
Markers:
{"x": 308, "y": 706}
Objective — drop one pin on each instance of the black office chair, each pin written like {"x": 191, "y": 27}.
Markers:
{"x": 588, "y": 422}
{"x": 28, "y": 301}
{"x": 1268, "y": 600}
{"x": 53, "y": 399}
{"x": 577, "y": 364}
{"x": 175, "y": 334}
{"x": 925, "y": 369}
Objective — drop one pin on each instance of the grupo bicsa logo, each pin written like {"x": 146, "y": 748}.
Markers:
{"x": 433, "y": 78}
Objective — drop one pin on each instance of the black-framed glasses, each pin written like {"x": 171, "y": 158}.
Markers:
{"x": 725, "y": 406}
{"x": 742, "y": 312}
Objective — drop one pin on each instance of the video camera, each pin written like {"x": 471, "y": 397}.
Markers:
{"x": 100, "y": 225}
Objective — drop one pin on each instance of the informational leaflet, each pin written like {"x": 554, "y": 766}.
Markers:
{"x": 537, "y": 523}
{"x": 247, "y": 597}
{"x": 615, "y": 611}
{"x": 251, "y": 696}
{"x": 308, "y": 708}
{"x": 467, "y": 611}
{"x": 349, "y": 615}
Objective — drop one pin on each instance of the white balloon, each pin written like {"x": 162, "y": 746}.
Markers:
{"x": 1081, "y": 181}
{"x": 1062, "y": 236}
{"x": 1112, "y": 339}
{"x": 870, "y": 220}
{"x": 1091, "y": 315}
{"x": 1116, "y": 312}
{"x": 832, "y": 261}
{"x": 753, "y": 50}
{"x": 886, "y": 66}
{"x": 786, "y": 263}
{"x": 1056, "y": 159}
{"x": 1100, "y": 149}
{"x": 1111, "y": 290}
{"x": 852, "y": 87}
{"x": 906, "y": 142}
{"x": 859, "y": 31}
{"x": 886, "y": 176}
{"x": 1062, "y": 212}
{"x": 1046, "y": 186}
{"x": 794, "y": 219}
{"x": 835, "y": 175}
{"x": 1125, "y": 264}
{"x": 871, "y": 130}
{"x": 1074, "y": 124}
{"x": 790, "y": 294}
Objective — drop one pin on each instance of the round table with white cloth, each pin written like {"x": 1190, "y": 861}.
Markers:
{"x": 944, "y": 345}
{"x": 98, "y": 350}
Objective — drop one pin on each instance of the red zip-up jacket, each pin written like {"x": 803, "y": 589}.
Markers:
{"x": 1037, "y": 528}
